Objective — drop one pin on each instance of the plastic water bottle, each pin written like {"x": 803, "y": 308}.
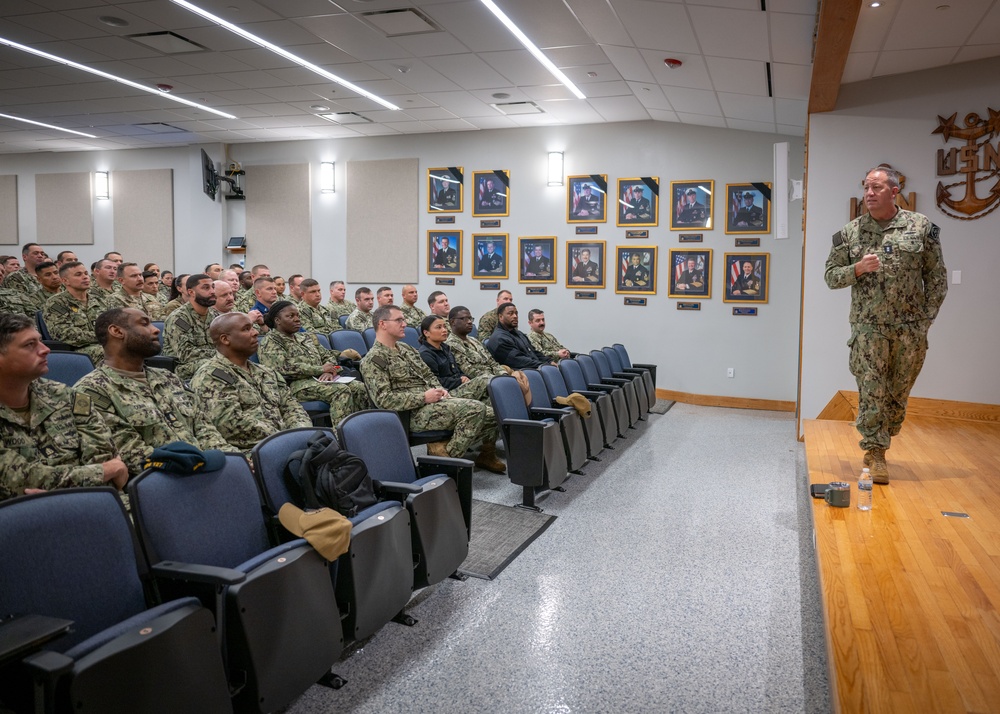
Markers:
{"x": 865, "y": 491}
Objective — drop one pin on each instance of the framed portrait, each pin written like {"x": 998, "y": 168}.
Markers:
{"x": 491, "y": 193}
{"x": 636, "y": 268}
{"x": 489, "y": 255}
{"x": 587, "y": 198}
{"x": 444, "y": 189}
{"x": 638, "y": 201}
{"x": 691, "y": 204}
{"x": 748, "y": 208}
{"x": 444, "y": 252}
{"x": 585, "y": 264}
{"x": 538, "y": 259}
{"x": 747, "y": 277}
{"x": 690, "y": 273}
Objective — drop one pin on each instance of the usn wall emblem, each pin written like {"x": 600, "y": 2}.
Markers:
{"x": 976, "y": 163}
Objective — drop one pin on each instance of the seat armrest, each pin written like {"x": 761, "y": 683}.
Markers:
{"x": 192, "y": 573}
{"x": 524, "y": 423}
{"x": 460, "y": 470}
{"x": 395, "y": 487}
{"x": 627, "y": 376}
{"x": 592, "y": 396}
{"x": 21, "y": 635}
{"x": 550, "y": 412}
{"x": 602, "y": 387}
{"x": 616, "y": 382}
{"x": 636, "y": 365}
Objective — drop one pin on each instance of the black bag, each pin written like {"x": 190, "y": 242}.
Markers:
{"x": 323, "y": 474}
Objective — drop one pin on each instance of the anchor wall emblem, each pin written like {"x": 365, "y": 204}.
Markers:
{"x": 978, "y": 160}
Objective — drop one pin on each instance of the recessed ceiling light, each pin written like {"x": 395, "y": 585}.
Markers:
{"x": 591, "y": 74}
{"x": 47, "y": 126}
{"x": 500, "y": 95}
{"x": 875, "y": 3}
{"x": 113, "y": 21}
{"x": 319, "y": 108}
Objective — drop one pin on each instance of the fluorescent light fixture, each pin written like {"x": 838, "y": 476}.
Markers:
{"x": 102, "y": 185}
{"x": 555, "y": 168}
{"x": 282, "y": 52}
{"x": 47, "y": 126}
{"x": 112, "y": 77}
{"x": 530, "y": 46}
{"x": 327, "y": 177}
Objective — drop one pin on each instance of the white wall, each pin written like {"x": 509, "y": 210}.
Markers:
{"x": 891, "y": 120}
{"x": 693, "y": 349}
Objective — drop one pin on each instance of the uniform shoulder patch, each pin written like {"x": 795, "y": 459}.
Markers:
{"x": 223, "y": 375}
{"x": 81, "y": 405}
{"x": 935, "y": 231}
{"x": 379, "y": 362}
{"x": 102, "y": 402}
{"x": 838, "y": 239}
{"x": 182, "y": 324}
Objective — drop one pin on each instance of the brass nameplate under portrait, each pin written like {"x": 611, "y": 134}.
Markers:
{"x": 689, "y": 306}
{"x": 536, "y": 291}
{"x": 491, "y": 223}
{"x": 585, "y": 295}
{"x": 748, "y": 242}
{"x": 637, "y": 234}
{"x": 444, "y": 281}
{"x": 750, "y": 311}
{"x": 586, "y": 230}
{"x": 689, "y": 238}
{"x": 641, "y": 302}
{"x": 444, "y": 219}
{"x": 489, "y": 286}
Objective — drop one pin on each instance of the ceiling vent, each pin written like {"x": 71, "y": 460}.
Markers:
{"x": 400, "y": 23}
{"x": 512, "y": 108}
{"x": 168, "y": 43}
{"x": 346, "y": 118}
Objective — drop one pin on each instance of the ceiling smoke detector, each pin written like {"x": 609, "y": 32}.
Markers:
{"x": 672, "y": 63}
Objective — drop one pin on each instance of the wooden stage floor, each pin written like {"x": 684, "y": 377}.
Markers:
{"x": 911, "y": 598}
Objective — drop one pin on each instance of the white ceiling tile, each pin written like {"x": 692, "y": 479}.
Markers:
{"x": 732, "y": 4}
{"x": 290, "y": 94}
{"x": 242, "y": 96}
{"x": 247, "y": 12}
{"x": 494, "y": 121}
{"x": 284, "y": 33}
{"x": 693, "y": 101}
{"x": 299, "y": 8}
{"x": 461, "y": 103}
{"x": 722, "y": 32}
{"x": 617, "y": 88}
{"x": 513, "y": 95}
{"x": 859, "y": 67}
{"x": 386, "y": 88}
{"x": 474, "y": 26}
{"x": 549, "y": 92}
{"x": 629, "y": 62}
{"x": 791, "y": 111}
{"x": 430, "y": 113}
{"x": 975, "y": 52}
{"x": 431, "y": 44}
{"x": 791, "y": 81}
{"x": 792, "y": 37}
{"x": 534, "y": 120}
{"x": 577, "y": 55}
{"x": 114, "y": 48}
{"x": 912, "y": 60}
{"x": 411, "y": 127}
{"x": 788, "y": 130}
{"x": 418, "y": 77}
{"x": 467, "y": 71}
{"x": 661, "y": 115}
{"x": 744, "y": 125}
{"x": 620, "y": 108}
{"x": 598, "y": 18}
{"x": 55, "y": 25}
{"x": 743, "y": 106}
{"x": 451, "y": 125}
{"x": 580, "y": 76}
{"x": 740, "y": 76}
{"x": 373, "y": 129}
{"x": 802, "y": 7}
{"x": 547, "y": 23}
{"x": 989, "y": 28}
{"x": 575, "y": 111}
{"x": 919, "y": 24}
{"x": 215, "y": 62}
{"x": 518, "y": 66}
{"x": 651, "y": 96}
{"x": 872, "y": 27}
{"x": 354, "y": 37}
{"x": 693, "y": 73}
{"x": 258, "y": 58}
{"x": 657, "y": 26}
{"x": 702, "y": 119}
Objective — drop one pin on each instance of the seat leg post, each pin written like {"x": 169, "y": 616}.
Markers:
{"x": 593, "y": 458}
{"x": 331, "y": 680}
{"x": 403, "y": 619}
{"x": 528, "y": 500}
{"x": 459, "y": 576}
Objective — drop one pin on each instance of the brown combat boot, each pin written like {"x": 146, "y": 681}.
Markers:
{"x": 488, "y": 460}
{"x": 875, "y": 461}
{"x": 438, "y": 448}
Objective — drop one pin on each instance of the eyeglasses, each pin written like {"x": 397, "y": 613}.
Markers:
{"x": 395, "y": 319}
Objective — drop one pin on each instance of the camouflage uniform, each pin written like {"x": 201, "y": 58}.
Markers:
{"x": 72, "y": 321}
{"x": 163, "y": 293}
{"x": 42, "y": 296}
{"x": 487, "y": 324}
{"x": 891, "y": 310}
{"x": 546, "y": 344}
{"x": 245, "y": 300}
{"x": 300, "y": 358}
{"x": 171, "y": 307}
{"x": 185, "y": 336}
{"x": 246, "y": 405}
{"x": 142, "y": 302}
{"x": 318, "y": 319}
{"x": 413, "y": 314}
{"x": 340, "y": 308}
{"x": 473, "y": 359}
{"x": 22, "y": 281}
{"x": 100, "y": 298}
{"x": 397, "y": 380}
{"x": 62, "y": 445}
{"x": 16, "y": 301}
{"x": 148, "y": 412}
{"x": 360, "y": 321}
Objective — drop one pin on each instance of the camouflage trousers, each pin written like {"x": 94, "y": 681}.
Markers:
{"x": 475, "y": 388}
{"x": 471, "y": 422}
{"x": 885, "y": 361}
{"x": 343, "y": 398}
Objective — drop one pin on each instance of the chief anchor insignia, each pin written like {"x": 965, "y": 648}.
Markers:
{"x": 974, "y": 160}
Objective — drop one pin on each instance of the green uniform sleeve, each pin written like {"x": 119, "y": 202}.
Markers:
{"x": 839, "y": 267}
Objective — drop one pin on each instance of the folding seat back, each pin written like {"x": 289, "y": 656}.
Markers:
{"x": 536, "y": 457}
{"x": 374, "y": 579}
{"x": 618, "y": 365}
{"x": 215, "y": 519}
{"x": 635, "y": 390}
{"x": 556, "y": 387}
{"x": 439, "y": 528}
{"x": 572, "y": 373}
{"x": 474, "y": 332}
{"x": 627, "y": 363}
{"x": 348, "y": 340}
{"x": 43, "y": 329}
{"x": 323, "y": 339}
{"x": 71, "y": 554}
{"x": 343, "y": 320}
{"x": 68, "y": 367}
{"x": 159, "y": 326}
{"x": 369, "y": 336}
{"x": 626, "y": 417}
{"x": 411, "y": 337}
{"x": 574, "y": 434}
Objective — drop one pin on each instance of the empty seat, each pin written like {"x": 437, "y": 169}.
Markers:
{"x": 439, "y": 515}
{"x": 348, "y": 340}
{"x": 597, "y": 439}
{"x": 574, "y": 433}
{"x": 68, "y": 367}
{"x": 369, "y": 336}
{"x": 324, "y": 340}
{"x": 647, "y": 380}
{"x": 411, "y": 337}
{"x": 627, "y": 365}
{"x": 625, "y": 408}
{"x": 635, "y": 389}
{"x": 374, "y": 579}
{"x": 343, "y": 320}
{"x": 614, "y": 427}
{"x": 71, "y": 554}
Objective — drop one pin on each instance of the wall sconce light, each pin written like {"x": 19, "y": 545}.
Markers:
{"x": 102, "y": 185}
{"x": 326, "y": 177}
{"x": 555, "y": 168}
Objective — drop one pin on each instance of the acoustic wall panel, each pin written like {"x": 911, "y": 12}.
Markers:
{"x": 144, "y": 216}
{"x": 64, "y": 206}
{"x": 278, "y": 222}
{"x": 383, "y": 232}
{"x": 8, "y": 210}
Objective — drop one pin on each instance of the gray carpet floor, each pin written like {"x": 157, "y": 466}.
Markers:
{"x": 678, "y": 577}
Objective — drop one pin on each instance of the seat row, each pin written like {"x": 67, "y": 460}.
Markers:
{"x": 209, "y": 604}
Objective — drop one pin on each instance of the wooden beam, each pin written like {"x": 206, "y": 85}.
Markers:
{"x": 834, "y": 33}
{"x": 708, "y": 400}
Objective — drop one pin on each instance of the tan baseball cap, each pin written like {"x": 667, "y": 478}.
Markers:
{"x": 325, "y": 530}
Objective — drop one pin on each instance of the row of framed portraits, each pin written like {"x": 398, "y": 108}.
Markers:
{"x": 633, "y": 271}
{"x": 636, "y": 200}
